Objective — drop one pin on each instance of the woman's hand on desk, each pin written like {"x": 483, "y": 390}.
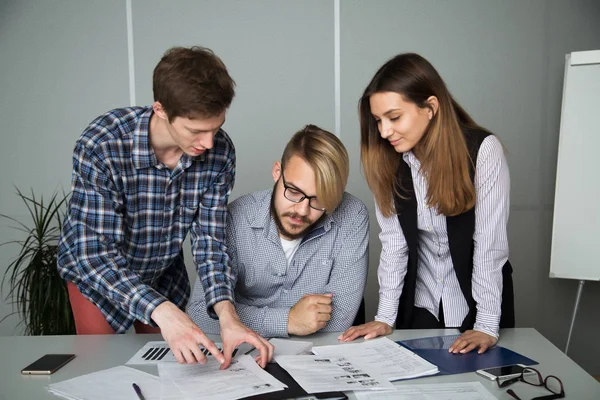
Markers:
{"x": 369, "y": 330}
{"x": 471, "y": 340}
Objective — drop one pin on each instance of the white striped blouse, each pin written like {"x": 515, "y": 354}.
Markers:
{"x": 436, "y": 279}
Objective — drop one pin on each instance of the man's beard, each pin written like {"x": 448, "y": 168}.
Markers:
{"x": 279, "y": 223}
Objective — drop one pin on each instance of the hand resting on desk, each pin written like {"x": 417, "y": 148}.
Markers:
{"x": 369, "y": 330}
{"x": 471, "y": 340}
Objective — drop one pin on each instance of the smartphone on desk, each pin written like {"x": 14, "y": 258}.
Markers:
{"x": 48, "y": 364}
{"x": 502, "y": 373}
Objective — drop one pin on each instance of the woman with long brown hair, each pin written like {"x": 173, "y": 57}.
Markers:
{"x": 441, "y": 187}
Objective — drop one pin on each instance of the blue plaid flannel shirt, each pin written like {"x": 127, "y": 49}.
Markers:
{"x": 129, "y": 214}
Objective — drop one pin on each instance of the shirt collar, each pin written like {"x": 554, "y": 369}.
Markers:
{"x": 410, "y": 158}
{"x": 143, "y": 154}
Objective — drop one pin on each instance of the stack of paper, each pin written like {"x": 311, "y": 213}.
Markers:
{"x": 365, "y": 366}
{"x": 319, "y": 374}
{"x": 384, "y": 356}
{"x": 113, "y": 383}
{"x": 177, "y": 382}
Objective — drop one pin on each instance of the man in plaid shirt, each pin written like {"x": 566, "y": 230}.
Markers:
{"x": 143, "y": 177}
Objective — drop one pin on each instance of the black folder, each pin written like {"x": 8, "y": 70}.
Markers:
{"x": 294, "y": 391}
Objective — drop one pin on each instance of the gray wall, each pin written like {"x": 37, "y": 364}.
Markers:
{"x": 65, "y": 61}
{"x": 61, "y": 65}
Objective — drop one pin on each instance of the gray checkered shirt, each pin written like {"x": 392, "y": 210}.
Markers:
{"x": 332, "y": 258}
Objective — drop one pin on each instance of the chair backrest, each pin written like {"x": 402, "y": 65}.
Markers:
{"x": 360, "y": 315}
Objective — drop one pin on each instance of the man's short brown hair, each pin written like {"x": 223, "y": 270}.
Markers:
{"x": 193, "y": 83}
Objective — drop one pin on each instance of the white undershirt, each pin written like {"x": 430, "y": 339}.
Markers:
{"x": 289, "y": 248}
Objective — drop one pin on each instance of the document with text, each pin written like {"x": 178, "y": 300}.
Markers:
{"x": 318, "y": 374}
{"x": 434, "y": 391}
{"x": 243, "y": 378}
{"x": 112, "y": 383}
{"x": 384, "y": 356}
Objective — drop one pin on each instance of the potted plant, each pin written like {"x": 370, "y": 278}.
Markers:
{"x": 36, "y": 289}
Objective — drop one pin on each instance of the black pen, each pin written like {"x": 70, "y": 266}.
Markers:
{"x": 138, "y": 391}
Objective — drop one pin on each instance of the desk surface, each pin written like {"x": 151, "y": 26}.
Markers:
{"x": 97, "y": 352}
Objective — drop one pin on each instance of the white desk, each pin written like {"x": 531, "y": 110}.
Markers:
{"x": 99, "y": 352}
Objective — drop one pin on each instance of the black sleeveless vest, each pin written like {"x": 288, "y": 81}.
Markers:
{"x": 460, "y": 239}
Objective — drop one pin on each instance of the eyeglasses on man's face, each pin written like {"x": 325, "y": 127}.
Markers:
{"x": 533, "y": 377}
{"x": 296, "y": 195}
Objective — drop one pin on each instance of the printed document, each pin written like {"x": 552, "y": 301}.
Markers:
{"x": 318, "y": 374}
{"x": 113, "y": 383}
{"x": 383, "y": 356}
{"x": 434, "y": 391}
{"x": 243, "y": 378}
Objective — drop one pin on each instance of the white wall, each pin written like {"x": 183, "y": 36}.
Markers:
{"x": 65, "y": 61}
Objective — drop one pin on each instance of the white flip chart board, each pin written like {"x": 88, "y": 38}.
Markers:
{"x": 576, "y": 227}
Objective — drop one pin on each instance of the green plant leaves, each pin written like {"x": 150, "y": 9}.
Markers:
{"x": 36, "y": 289}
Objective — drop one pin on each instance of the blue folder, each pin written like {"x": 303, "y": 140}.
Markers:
{"x": 435, "y": 350}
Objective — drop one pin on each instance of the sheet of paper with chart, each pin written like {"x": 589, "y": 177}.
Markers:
{"x": 434, "y": 391}
{"x": 318, "y": 374}
{"x": 383, "y": 355}
{"x": 243, "y": 378}
{"x": 158, "y": 352}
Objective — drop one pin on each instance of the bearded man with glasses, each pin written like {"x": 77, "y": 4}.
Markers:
{"x": 299, "y": 251}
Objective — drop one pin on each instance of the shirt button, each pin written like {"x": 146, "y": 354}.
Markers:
{"x": 279, "y": 274}
{"x": 285, "y": 290}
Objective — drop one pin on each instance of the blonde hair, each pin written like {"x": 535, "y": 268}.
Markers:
{"x": 442, "y": 151}
{"x": 328, "y": 157}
